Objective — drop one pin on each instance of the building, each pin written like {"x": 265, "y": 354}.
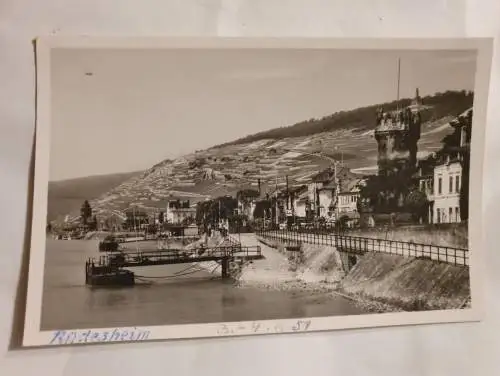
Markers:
{"x": 179, "y": 211}
{"x": 300, "y": 201}
{"x": 327, "y": 200}
{"x": 447, "y": 186}
{"x": 424, "y": 180}
{"x": 444, "y": 178}
{"x": 136, "y": 218}
{"x": 347, "y": 201}
{"x": 110, "y": 220}
{"x": 348, "y": 197}
{"x": 301, "y": 205}
{"x": 323, "y": 189}
{"x": 397, "y": 134}
{"x": 318, "y": 183}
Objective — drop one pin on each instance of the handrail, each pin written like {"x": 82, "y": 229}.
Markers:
{"x": 356, "y": 244}
{"x": 174, "y": 254}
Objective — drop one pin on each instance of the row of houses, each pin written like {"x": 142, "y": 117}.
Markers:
{"x": 139, "y": 217}
{"x": 330, "y": 194}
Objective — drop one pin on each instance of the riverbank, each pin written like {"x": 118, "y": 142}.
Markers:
{"x": 317, "y": 273}
{"x": 378, "y": 282}
{"x": 413, "y": 284}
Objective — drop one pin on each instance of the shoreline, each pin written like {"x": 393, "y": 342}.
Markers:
{"x": 330, "y": 290}
{"x": 317, "y": 284}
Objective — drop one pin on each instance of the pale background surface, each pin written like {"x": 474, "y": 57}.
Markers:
{"x": 458, "y": 349}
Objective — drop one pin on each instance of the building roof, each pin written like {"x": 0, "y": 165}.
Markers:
{"x": 298, "y": 190}
{"x": 347, "y": 186}
{"x": 303, "y": 196}
{"x": 329, "y": 185}
{"x": 328, "y": 175}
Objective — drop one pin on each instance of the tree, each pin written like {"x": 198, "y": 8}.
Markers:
{"x": 417, "y": 204}
{"x": 85, "y": 213}
{"x": 246, "y": 195}
{"x": 342, "y": 223}
{"x": 212, "y": 211}
{"x": 262, "y": 209}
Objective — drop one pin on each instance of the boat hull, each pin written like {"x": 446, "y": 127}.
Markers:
{"x": 122, "y": 278}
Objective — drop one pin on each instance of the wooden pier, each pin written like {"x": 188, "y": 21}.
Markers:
{"x": 109, "y": 269}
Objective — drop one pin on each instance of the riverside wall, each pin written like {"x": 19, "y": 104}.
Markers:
{"x": 407, "y": 283}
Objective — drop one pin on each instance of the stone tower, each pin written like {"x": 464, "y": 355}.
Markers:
{"x": 397, "y": 134}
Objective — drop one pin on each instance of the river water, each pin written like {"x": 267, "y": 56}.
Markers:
{"x": 195, "y": 298}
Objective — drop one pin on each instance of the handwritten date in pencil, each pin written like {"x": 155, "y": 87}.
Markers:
{"x": 256, "y": 327}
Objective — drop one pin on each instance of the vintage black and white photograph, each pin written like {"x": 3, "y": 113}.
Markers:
{"x": 223, "y": 185}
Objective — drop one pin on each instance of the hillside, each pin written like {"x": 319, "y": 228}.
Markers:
{"x": 66, "y": 196}
{"x": 299, "y": 151}
{"x": 450, "y": 103}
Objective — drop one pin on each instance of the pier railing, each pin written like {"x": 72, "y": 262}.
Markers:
{"x": 173, "y": 256}
{"x": 361, "y": 245}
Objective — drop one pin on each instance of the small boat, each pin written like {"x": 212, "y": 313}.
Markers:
{"x": 109, "y": 244}
{"x": 118, "y": 277}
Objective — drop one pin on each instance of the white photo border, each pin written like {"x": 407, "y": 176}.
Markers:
{"x": 33, "y": 336}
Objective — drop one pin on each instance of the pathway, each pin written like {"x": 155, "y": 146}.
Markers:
{"x": 273, "y": 269}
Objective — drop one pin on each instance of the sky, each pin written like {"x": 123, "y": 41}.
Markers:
{"x": 139, "y": 107}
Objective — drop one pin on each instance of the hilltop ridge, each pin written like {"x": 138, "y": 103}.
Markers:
{"x": 449, "y": 103}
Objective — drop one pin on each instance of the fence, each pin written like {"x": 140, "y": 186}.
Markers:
{"x": 232, "y": 241}
{"x": 360, "y": 245}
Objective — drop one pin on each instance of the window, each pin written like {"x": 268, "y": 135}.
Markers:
{"x": 440, "y": 185}
{"x": 457, "y": 214}
{"x": 450, "y": 215}
{"x": 451, "y": 185}
{"x": 457, "y": 184}
{"x": 438, "y": 215}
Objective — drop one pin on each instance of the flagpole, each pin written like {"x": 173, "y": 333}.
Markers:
{"x": 399, "y": 79}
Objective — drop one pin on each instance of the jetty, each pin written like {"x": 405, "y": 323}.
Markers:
{"x": 112, "y": 268}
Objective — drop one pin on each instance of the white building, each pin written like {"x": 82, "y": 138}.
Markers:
{"x": 300, "y": 204}
{"x": 177, "y": 212}
{"x": 326, "y": 202}
{"x": 348, "y": 200}
{"x": 447, "y": 185}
